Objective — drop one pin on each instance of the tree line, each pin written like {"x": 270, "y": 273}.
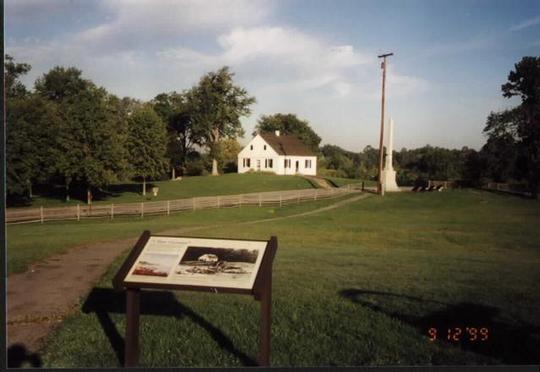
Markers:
{"x": 68, "y": 131}
{"x": 510, "y": 154}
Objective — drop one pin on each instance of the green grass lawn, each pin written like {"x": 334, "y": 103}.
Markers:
{"x": 29, "y": 243}
{"x": 358, "y": 285}
{"x": 226, "y": 184}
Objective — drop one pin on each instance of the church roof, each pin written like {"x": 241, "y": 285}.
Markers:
{"x": 287, "y": 144}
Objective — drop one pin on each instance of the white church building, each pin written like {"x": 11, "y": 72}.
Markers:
{"x": 281, "y": 154}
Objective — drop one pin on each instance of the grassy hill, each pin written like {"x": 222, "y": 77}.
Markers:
{"x": 188, "y": 187}
{"x": 338, "y": 181}
{"x": 358, "y": 285}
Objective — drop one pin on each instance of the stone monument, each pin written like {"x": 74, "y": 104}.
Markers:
{"x": 389, "y": 174}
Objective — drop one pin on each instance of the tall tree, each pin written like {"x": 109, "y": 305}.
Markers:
{"x": 499, "y": 153}
{"x": 289, "y": 124}
{"x": 183, "y": 133}
{"x": 32, "y": 127}
{"x": 217, "y": 105}
{"x": 522, "y": 122}
{"x": 12, "y": 73}
{"x": 147, "y": 144}
{"x": 92, "y": 147}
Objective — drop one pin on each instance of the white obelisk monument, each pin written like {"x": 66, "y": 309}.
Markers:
{"x": 389, "y": 174}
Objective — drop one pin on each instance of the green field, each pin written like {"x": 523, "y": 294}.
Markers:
{"x": 357, "y": 285}
{"x": 29, "y": 243}
{"x": 226, "y": 184}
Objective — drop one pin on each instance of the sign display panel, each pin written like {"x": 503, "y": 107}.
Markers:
{"x": 203, "y": 262}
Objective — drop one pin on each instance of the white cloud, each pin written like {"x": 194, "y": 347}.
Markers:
{"x": 288, "y": 59}
{"x": 526, "y": 24}
{"x": 149, "y": 21}
{"x": 269, "y": 42}
{"x": 141, "y": 51}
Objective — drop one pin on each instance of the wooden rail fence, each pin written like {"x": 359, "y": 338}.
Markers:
{"x": 518, "y": 189}
{"x": 141, "y": 209}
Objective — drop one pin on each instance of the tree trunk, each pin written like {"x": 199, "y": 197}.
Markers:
{"x": 67, "y": 192}
{"x": 214, "y": 168}
{"x": 173, "y": 173}
{"x": 144, "y": 186}
{"x": 30, "y": 190}
{"x": 214, "y": 150}
{"x": 88, "y": 196}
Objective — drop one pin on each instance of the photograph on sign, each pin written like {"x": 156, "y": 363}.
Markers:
{"x": 198, "y": 262}
{"x": 226, "y": 263}
{"x": 154, "y": 264}
{"x": 226, "y": 267}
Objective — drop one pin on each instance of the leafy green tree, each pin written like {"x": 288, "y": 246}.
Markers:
{"x": 289, "y": 124}
{"x": 62, "y": 84}
{"x": 217, "y": 105}
{"x": 183, "y": 133}
{"x": 147, "y": 144}
{"x": 523, "y": 121}
{"x": 339, "y": 159}
{"x": 92, "y": 148}
{"x": 228, "y": 155}
{"x": 12, "y": 73}
{"x": 370, "y": 162}
{"x": 32, "y": 127}
{"x": 499, "y": 153}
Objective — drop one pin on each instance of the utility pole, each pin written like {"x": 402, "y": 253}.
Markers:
{"x": 380, "y": 188}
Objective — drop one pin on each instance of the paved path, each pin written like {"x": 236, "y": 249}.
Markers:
{"x": 39, "y": 299}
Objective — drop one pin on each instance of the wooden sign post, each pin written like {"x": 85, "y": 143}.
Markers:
{"x": 191, "y": 263}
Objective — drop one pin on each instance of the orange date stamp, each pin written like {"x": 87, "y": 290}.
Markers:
{"x": 459, "y": 334}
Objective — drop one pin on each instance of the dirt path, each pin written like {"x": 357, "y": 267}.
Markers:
{"x": 39, "y": 299}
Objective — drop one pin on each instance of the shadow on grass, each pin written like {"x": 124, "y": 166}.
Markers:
{"x": 56, "y": 192}
{"x": 18, "y": 355}
{"x": 520, "y": 194}
{"x": 114, "y": 191}
{"x": 103, "y": 301}
{"x": 516, "y": 343}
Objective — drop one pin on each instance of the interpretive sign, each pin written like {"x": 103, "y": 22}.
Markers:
{"x": 214, "y": 263}
{"x": 200, "y": 264}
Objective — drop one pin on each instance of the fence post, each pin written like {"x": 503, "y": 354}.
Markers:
{"x": 112, "y": 211}
{"x": 280, "y": 200}
{"x": 193, "y": 203}
{"x": 142, "y": 209}
{"x": 41, "y": 213}
{"x": 240, "y": 201}
{"x": 168, "y": 207}
{"x": 259, "y": 199}
{"x": 429, "y": 184}
{"x": 298, "y": 197}
{"x": 218, "y": 203}
{"x": 315, "y": 197}
{"x": 78, "y": 212}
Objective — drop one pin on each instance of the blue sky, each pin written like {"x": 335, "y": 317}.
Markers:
{"x": 315, "y": 58}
